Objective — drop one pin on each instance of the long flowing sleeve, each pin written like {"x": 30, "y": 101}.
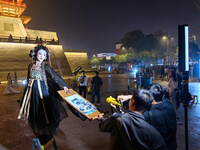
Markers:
{"x": 60, "y": 83}
{"x": 27, "y": 82}
{"x": 55, "y": 77}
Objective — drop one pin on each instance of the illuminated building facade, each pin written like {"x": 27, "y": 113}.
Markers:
{"x": 16, "y": 42}
{"x": 78, "y": 58}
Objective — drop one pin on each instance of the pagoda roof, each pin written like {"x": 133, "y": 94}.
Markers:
{"x": 12, "y": 8}
{"x": 13, "y": 3}
{"x": 25, "y": 19}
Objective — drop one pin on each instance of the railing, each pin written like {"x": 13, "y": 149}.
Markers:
{"x": 28, "y": 40}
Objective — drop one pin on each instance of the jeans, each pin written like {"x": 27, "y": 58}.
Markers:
{"x": 98, "y": 93}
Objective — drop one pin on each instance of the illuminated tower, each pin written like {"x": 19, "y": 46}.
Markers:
{"x": 13, "y": 8}
{"x": 16, "y": 41}
{"x": 11, "y": 21}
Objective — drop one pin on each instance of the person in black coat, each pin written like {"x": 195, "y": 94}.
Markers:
{"x": 130, "y": 130}
{"x": 162, "y": 116}
{"x": 96, "y": 88}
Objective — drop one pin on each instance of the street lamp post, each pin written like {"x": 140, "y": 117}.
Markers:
{"x": 183, "y": 45}
{"x": 168, "y": 51}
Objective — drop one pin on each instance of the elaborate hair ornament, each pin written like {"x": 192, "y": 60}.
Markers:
{"x": 32, "y": 53}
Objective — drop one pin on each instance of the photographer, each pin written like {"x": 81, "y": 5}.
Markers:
{"x": 130, "y": 130}
{"x": 83, "y": 84}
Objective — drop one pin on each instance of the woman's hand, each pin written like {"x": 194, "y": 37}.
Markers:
{"x": 99, "y": 117}
{"x": 65, "y": 89}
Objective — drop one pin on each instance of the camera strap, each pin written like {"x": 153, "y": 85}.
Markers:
{"x": 83, "y": 77}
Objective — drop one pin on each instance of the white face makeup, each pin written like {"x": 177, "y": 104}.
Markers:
{"x": 41, "y": 55}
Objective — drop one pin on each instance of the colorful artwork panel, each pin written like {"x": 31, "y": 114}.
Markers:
{"x": 81, "y": 104}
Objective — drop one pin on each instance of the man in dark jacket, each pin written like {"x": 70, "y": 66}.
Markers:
{"x": 130, "y": 130}
{"x": 162, "y": 116}
{"x": 96, "y": 88}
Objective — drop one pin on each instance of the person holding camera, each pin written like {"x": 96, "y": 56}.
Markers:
{"x": 83, "y": 84}
{"x": 130, "y": 130}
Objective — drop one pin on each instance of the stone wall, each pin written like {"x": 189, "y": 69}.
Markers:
{"x": 43, "y": 34}
{"x": 77, "y": 59}
{"x": 14, "y": 26}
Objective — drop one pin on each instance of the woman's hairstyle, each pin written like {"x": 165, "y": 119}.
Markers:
{"x": 34, "y": 51}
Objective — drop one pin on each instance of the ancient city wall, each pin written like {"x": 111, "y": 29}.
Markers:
{"x": 77, "y": 59}
{"x": 14, "y": 57}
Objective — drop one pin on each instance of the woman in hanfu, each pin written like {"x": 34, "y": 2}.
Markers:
{"x": 41, "y": 105}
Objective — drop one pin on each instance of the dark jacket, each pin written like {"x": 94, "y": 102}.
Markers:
{"x": 96, "y": 83}
{"x": 130, "y": 131}
{"x": 163, "y": 117}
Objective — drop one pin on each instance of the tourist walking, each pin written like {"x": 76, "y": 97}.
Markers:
{"x": 15, "y": 79}
{"x": 83, "y": 84}
{"x": 96, "y": 88}
{"x": 9, "y": 80}
{"x": 173, "y": 86}
{"x": 166, "y": 73}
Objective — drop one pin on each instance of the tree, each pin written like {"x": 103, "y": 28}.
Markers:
{"x": 131, "y": 56}
{"x": 95, "y": 61}
{"x": 138, "y": 41}
{"x": 105, "y": 61}
{"x": 157, "y": 54}
{"x": 147, "y": 48}
{"x": 121, "y": 58}
{"x": 149, "y": 42}
{"x": 146, "y": 57}
{"x": 134, "y": 40}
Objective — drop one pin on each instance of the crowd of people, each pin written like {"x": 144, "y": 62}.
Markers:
{"x": 95, "y": 86}
{"x": 172, "y": 76}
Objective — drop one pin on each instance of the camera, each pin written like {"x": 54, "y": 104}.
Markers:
{"x": 81, "y": 80}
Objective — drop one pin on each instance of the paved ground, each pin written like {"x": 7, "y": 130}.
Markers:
{"x": 75, "y": 134}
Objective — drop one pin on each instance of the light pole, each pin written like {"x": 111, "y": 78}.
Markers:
{"x": 165, "y": 38}
{"x": 168, "y": 40}
{"x": 183, "y": 45}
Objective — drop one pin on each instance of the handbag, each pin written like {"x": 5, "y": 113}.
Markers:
{"x": 89, "y": 90}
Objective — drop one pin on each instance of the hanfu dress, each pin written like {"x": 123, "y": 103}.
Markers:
{"x": 45, "y": 109}
{"x": 44, "y": 113}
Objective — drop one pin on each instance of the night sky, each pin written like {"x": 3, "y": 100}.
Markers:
{"x": 96, "y": 25}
